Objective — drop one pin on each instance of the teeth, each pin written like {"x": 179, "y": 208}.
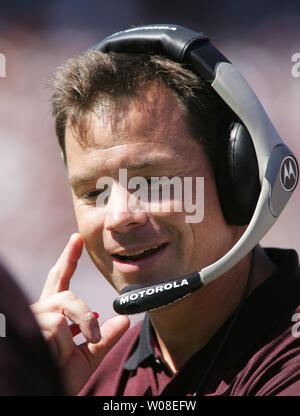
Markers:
{"x": 135, "y": 253}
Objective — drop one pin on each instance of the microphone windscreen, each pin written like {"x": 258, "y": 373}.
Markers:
{"x": 136, "y": 299}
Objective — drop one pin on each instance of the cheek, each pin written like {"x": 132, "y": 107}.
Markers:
{"x": 184, "y": 195}
{"x": 181, "y": 233}
{"x": 90, "y": 224}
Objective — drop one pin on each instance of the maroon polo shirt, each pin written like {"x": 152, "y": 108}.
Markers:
{"x": 260, "y": 357}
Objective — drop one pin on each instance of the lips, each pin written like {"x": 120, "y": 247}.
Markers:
{"x": 137, "y": 255}
{"x": 132, "y": 261}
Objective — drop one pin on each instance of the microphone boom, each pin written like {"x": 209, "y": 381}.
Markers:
{"x": 136, "y": 299}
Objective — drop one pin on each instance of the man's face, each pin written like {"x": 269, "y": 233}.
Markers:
{"x": 148, "y": 136}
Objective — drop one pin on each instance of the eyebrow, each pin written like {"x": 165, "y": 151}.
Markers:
{"x": 90, "y": 177}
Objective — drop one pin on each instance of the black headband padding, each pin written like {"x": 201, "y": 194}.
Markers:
{"x": 181, "y": 45}
{"x": 168, "y": 40}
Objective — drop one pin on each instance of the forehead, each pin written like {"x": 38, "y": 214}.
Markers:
{"x": 150, "y": 125}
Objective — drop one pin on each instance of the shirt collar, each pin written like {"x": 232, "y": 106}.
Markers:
{"x": 144, "y": 349}
{"x": 261, "y": 312}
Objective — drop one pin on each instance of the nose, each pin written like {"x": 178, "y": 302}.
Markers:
{"x": 123, "y": 212}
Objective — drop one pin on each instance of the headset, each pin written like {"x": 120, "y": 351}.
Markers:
{"x": 256, "y": 199}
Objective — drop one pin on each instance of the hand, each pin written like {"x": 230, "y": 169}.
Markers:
{"x": 57, "y": 302}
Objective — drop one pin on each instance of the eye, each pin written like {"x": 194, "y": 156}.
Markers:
{"x": 93, "y": 194}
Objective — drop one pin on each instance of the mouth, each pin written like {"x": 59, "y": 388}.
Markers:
{"x": 140, "y": 254}
{"x": 139, "y": 258}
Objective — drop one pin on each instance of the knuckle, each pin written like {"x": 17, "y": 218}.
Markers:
{"x": 69, "y": 296}
{"x": 59, "y": 321}
{"x": 89, "y": 316}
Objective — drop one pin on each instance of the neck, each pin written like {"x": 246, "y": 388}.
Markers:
{"x": 186, "y": 326}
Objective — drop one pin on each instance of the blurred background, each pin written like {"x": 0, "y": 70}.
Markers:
{"x": 36, "y": 217}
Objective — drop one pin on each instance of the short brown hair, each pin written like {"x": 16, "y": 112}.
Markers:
{"x": 82, "y": 82}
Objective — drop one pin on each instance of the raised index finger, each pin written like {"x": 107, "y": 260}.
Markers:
{"x": 61, "y": 273}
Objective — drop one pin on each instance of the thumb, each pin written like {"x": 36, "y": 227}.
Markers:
{"x": 111, "y": 332}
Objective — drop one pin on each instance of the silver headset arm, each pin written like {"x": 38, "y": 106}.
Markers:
{"x": 271, "y": 153}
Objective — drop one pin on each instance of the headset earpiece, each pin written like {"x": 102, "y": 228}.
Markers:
{"x": 237, "y": 176}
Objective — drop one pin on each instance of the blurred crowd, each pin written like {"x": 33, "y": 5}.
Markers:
{"x": 36, "y": 217}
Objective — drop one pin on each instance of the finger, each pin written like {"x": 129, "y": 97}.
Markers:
{"x": 60, "y": 275}
{"x": 111, "y": 332}
{"x": 51, "y": 344}
{"x": 68, "y": 304}
{"x": 57, "y": 332}
{"x": 75, "y": 329}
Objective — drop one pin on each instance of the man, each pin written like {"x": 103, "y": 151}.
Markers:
{"x": 154, "y": 118}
